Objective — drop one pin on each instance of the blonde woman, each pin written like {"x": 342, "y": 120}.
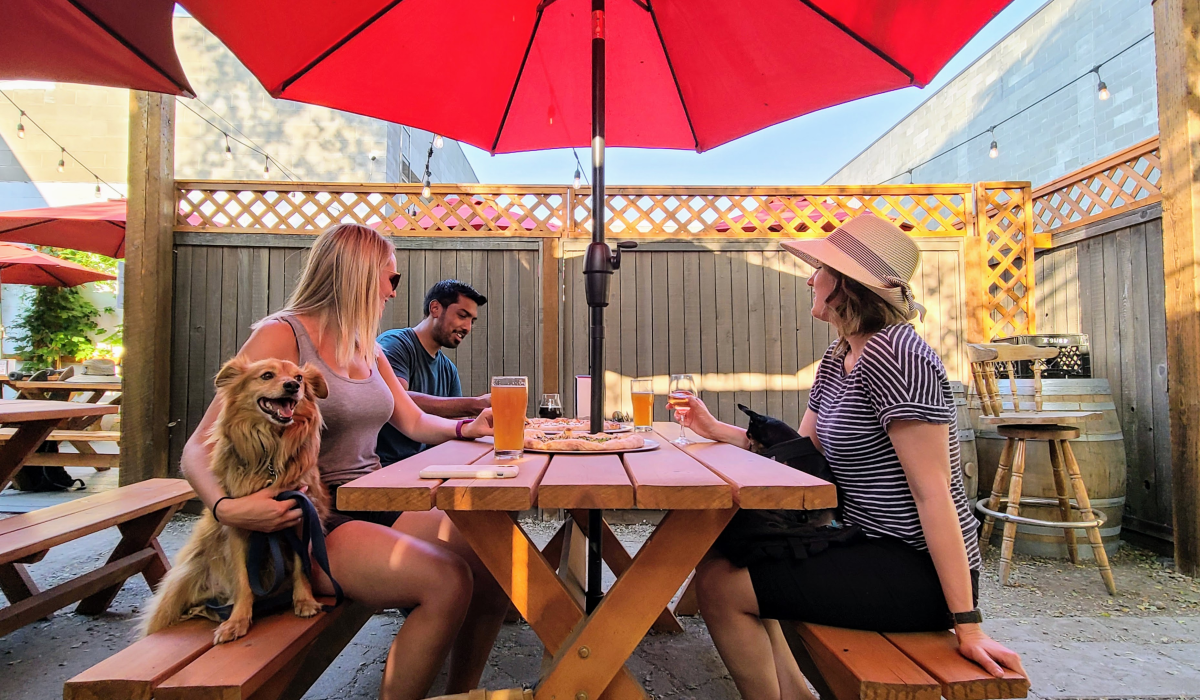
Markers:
{"x": 882, "y": 413}
{"x": 389, "y": 560}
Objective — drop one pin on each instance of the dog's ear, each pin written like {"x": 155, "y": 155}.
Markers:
{"x": 746, "y": 409}
{"x": 230, "y": 371}
{"x": 315, "y": 381}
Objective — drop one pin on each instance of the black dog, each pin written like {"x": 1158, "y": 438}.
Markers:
{"x": 771, "y": 437}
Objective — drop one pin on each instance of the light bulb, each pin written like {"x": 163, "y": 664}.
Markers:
{"x": 21, "y": 126}
{"x": 228, "y": 150}
{"x": 97, "y": 189}
{"x": 1103, "y": 94}
{"x": 994, "y": 150}
{"x": 437, "y": 141}
{"x": 267, "y": 167}
{"x": 62, "y": 163}
{"x": 577, "y": 178}
{"x": 425, "y": 191}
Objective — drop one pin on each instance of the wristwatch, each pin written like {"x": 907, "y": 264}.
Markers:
{"x": 967, "y": 618}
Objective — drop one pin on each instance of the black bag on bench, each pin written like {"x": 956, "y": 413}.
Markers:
{"x": 756, "y": 535}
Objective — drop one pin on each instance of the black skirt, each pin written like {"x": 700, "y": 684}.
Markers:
{"x": 878, "y": 584}
{"x": 337, "y": 518}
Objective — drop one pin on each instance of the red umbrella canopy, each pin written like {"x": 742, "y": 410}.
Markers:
{"x": 21, "y": 265}
{"x": 95, "y": 227}
{"x": 118, "y": 43}
{"x": 515, "y": 75}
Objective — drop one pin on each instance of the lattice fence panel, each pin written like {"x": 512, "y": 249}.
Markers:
{"x": 1005, "y": 231}
{"x": 1127, "y": 180}
{"x": 657, "y": 212}
{"x": 393, "y": 210}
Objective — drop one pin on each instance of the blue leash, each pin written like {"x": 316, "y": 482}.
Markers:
{"x": 267, "y": 596}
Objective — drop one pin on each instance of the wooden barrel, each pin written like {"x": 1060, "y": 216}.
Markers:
{"x": 1099, "y": 450}
{"x": 968, "y": 457}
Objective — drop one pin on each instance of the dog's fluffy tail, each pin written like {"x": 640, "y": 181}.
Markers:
{"x": 184, "y": 587}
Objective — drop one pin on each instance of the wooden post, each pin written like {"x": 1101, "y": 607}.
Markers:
{"x": 974, "y": 252}
{"x": 1177, "y": 53}
{"x": 551, "y": 306}
{"x": 149, "y": 268}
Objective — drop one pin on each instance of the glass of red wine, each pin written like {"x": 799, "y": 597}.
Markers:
{"x": 550, "y": 407}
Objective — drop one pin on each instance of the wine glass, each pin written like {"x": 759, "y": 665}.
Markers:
{"x": 682, "y": 386}
{"x": 550, "y": 407}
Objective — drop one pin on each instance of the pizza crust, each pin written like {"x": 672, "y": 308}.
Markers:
{"x": 563, "y": 424}
{"x": 570, "y": 442}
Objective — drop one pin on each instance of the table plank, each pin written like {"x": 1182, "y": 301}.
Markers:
{"x": 670, "y": 479}
{"x": 585, "y": 481}
{"x": 21, "y": 411}
{"x": 399, "y": 487}
{"x": 759, "y": 482}
{"x": 63, "y": 386}
{"x": 518, "y": 493}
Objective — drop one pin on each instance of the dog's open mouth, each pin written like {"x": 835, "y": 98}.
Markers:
{"x": 279, "y": 410}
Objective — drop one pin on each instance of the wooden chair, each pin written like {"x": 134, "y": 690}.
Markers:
{"x": 1024, "y": 423}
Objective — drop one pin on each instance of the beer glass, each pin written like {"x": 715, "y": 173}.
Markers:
{"x": 642, "y": 393}
{"x": 510, "y": 397}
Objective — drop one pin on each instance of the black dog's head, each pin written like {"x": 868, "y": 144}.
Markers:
{"x": 765, "y": 431}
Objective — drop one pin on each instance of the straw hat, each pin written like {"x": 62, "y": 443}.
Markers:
{"x": 871, "y": 251}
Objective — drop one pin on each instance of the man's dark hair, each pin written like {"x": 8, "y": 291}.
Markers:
{"x": 447, "y": 292}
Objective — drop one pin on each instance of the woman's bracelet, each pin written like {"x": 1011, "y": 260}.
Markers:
{"x": 459, "y": 426}
{"x": 214, "y": 507}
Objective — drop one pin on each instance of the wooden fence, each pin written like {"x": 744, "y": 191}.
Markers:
{"x": 709, "y": 292}
{"x": 1102, "y": 275}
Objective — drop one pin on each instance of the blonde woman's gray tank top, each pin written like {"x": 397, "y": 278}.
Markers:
{"x": 354, "y": 412}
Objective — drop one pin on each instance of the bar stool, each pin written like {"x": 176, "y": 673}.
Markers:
{"x": 1018, "y": 426}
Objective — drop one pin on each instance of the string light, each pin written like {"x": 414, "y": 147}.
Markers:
{"x": 1102, "y": 92}
{"x": 437, "y": 141}
{"x": 425, "y": 190}
{"x": 578, "y": 168}
{"x": 228, "y": 150}
{"x": 267, "y": 166}
{"x": 1101, "y": 89}
{"x": 577, "y": 174}
{"x": 62, "y": 164}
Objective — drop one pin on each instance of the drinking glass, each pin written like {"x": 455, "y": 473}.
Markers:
{"x": 550, "y": 407}
{"x": 642, "y": 393}
{"x": 510, "y": 396}
{"x": 682, "y": 386}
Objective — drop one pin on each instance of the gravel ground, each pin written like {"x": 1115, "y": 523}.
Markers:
{"x": 1077, "y": 642}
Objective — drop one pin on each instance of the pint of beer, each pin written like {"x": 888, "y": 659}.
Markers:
{"x": 510, "y": 397}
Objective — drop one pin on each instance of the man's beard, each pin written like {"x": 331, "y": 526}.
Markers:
{"x": 446, "y": 339}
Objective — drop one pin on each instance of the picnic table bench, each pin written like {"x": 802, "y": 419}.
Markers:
{"x": 140, "y": 511}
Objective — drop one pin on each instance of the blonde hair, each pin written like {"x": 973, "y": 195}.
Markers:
{"x": 853, "y": 309}
{"x": 340, "y": 288}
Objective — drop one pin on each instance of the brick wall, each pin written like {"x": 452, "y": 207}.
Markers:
{"x": 1063, "y": 40}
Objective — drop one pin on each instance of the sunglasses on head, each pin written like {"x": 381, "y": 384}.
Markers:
{"x": 394, "y": 280}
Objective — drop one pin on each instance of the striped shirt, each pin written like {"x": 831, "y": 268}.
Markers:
{"x": 898, "y": 377}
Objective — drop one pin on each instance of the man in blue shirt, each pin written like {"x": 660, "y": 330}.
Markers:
{"x": 431, "y": 379}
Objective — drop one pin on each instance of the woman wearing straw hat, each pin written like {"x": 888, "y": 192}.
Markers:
{"x": 881, "y": 411}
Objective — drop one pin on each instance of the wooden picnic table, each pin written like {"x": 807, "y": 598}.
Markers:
{"x": 700, "y": 486}
{"x": 34, "y": 420}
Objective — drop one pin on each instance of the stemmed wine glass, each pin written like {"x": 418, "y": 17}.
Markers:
{"x": 682, "y": 386}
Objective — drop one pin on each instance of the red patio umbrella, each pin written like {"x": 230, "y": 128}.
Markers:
{"x": 118, "y": 43}
{"x": 513, "y": 75}
{"x": 95, "y": 227}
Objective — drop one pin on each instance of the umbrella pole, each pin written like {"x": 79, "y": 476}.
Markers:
{"x": 597, "y": 270}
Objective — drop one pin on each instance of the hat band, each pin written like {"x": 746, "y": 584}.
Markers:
{"x": 862, "y": 254}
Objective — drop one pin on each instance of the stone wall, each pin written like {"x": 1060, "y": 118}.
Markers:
{"x": 1062, "y": 41}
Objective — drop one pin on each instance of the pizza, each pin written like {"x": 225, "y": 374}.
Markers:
{"x": 569, "y": 441}
{"x": 557, "y": 425}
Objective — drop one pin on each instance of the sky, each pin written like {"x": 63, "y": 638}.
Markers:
{"x": 804, "y": 151}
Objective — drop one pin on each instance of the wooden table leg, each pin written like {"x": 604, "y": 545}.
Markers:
{"x": 16, "y": 450}
{"x": 15, "y": 583}
{"x": 618, "y": 559}
{"x": 596, "y": 651}
{"x": 136, "y": 535}
{"x": 534, "y": 587}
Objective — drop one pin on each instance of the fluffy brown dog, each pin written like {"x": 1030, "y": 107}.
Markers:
{"x": 268, "y": 434}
